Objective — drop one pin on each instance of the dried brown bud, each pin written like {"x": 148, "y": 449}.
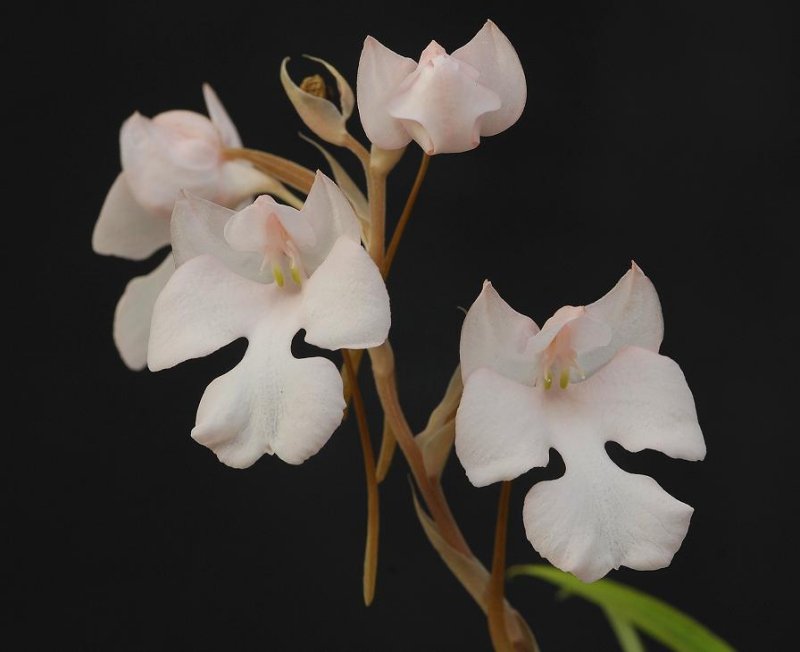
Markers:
{"x": 314, "y": 102}
{"x": 315, "y": 85}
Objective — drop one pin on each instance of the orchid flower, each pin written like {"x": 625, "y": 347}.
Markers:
{"x": 161, "y": 156}
{"x": 264, "y": 273}
{"x": 592, "y": 374}
{"x": 446, "y": 102}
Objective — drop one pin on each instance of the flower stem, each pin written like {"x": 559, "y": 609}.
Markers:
{"x": 356, "y": 356}
{"x": 446, "y": 526}
{"x": 361, "y": 152}
{"x": 496, "y": 610}
{"x": 373, "y": 508}
{"x": 376, "y": 190}
{"x": 406, "y": 214}
{"x": 388, "y": 447}
{"x": 383, "y": 371}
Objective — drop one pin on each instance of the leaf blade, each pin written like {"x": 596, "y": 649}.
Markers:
{"x": 653, "y": 616}
{"x": 628, "y": 639}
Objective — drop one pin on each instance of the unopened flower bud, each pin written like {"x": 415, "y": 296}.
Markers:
{"x": 312, "y": 103}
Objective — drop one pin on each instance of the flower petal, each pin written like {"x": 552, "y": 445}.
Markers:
{"x": 492, "y": 54}
{"x": 500, "y": 428}
{"x": 633, "y": 311}
{"x": 239, "y": 181}
{"x": 583, "y": 333}
{"x": 198, "y": 227}
{"x": 177, "y": 150}
{"x": 443, "y": 106}
{"x": 125, "y": 228}
{"x": 345, "y": 182}
{"x": 331, "y": 216}
{"x": 304, "y": 430}
{"x": 189, "y": 139}
{"x": 220, "y": 118}
{"x": 494, "y": 335}
{"x": 134, "y": 312}
{"x": 641, "y": 400}
{"x": 345, "y": 302}
{"x": 586, "y": 333}
{"x": 203, "y": 307}
{"x": 247, "y": 229}
{"x": 270, "y": 403}
{"x": 597, "y": 517}
{"x": 380, "y": 73}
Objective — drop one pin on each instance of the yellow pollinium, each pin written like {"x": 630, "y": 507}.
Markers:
{"x": 295, "y": 272}
{"x": 277, "y": 272}
{"x": 563, "y": 381}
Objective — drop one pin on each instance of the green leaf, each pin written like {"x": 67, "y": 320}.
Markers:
{"x": 654, "y": 617}
{"x": 628, "y": 639}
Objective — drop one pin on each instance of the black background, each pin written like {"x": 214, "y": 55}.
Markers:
{"x": 661, "y": 132}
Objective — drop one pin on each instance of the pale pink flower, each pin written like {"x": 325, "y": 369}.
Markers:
{"x": 446, "y": 102}
{"x": 591, "y": 375}
{"x": 265, "y": 273}
{"x": 174, "y": 151}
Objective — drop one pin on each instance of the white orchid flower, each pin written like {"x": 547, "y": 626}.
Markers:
{"x": 591, "y": 375}
{"x": 446, "y": 102}
{"x": 174, "y": 151}
{"x": 265, "y": 273}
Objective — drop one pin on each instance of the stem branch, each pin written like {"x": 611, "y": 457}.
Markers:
{"x": 383, "y": 371}
{"x": 379, "y": 163}
{"x": 373, "y": 509}
{"x": 376, "y": 189}
{"x": 496, "y": 608}
{"x": 289, "y": 172}
{"x": 406, "y": 214}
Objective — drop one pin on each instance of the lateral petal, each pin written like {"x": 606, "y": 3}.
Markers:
{"x": 496, "y": 336}
{"x": 632, "y": 310}
{"x": 501, "y": 428}
{"x": 380, "y": 73}
{"x": 492, "y": 55}
{"x": 641, "y": 400}
{"x": 345, "y": 302}
{"x": 203, "y": 307}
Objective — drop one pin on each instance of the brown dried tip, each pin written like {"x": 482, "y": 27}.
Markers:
{"x": 315, "y": 85}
